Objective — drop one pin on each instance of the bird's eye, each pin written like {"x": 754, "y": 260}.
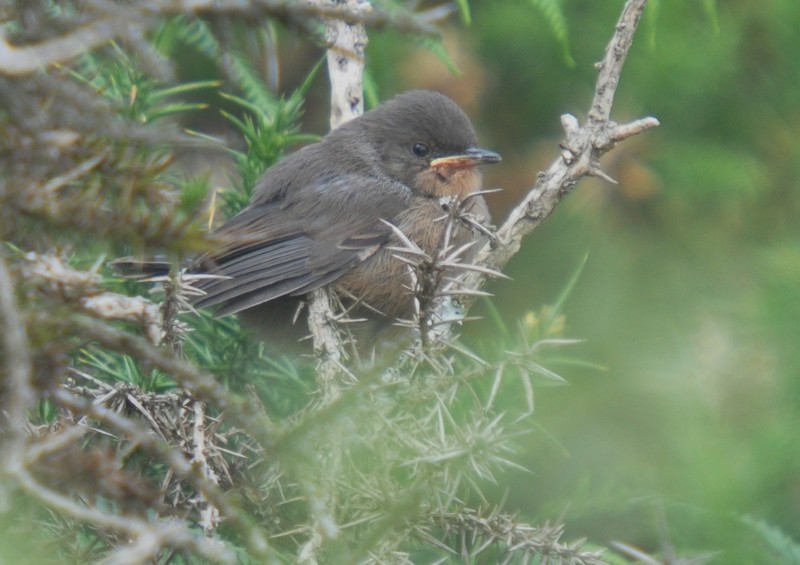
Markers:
{"x": 420, "y": 150}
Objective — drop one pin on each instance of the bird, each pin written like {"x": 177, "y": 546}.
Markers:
{"x": 328, "y": 215}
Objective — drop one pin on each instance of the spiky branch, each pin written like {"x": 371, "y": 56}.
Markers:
{"x": 580, "y": 152}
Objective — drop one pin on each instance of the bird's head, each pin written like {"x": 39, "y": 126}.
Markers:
{"x": 424, "y": 140}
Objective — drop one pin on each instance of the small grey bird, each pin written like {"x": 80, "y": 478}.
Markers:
{"x": 319, "y": 217}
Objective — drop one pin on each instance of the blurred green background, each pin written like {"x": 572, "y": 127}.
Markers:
{"x": 690, "y": 297}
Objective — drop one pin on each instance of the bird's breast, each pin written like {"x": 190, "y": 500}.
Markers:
{"x": 444, "y": 181}
{"x": 383, "y": 281}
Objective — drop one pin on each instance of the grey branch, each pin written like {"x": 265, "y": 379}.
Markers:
{"x": 201, "y": 385}
{"x": 474, "y": 532}
{"x": 347, "y": 41}
{"x": 53, "y": 276}
{"x": 127, "y": 23}
{"x": 16, "y": 366}
{"x": 30, "y": 58}
{"x": 582, "y": 148}
{"x": 149, "y": 439}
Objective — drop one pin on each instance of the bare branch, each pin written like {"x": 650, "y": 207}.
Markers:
{"x": 610, "y": 67}
{"x": 581, "y": 150}
{"x": 18, "y": 395}
{"x": 53, "y": 276}
{"x": 347, "y": 41}
{"x": 625, "y": 131}
{"x": 31, "y": 58}
{"x": 209, "y": 513}
{"x": 474, "y": 532}
{"x": 128, "y": 23}
{"x": 140, "y": 435}
{"x": 203, "y": 386}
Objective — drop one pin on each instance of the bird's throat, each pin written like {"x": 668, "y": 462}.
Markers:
{"x": 446, "y": 181}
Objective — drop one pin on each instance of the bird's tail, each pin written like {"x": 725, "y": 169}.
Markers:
{"x": 138, "y": 269}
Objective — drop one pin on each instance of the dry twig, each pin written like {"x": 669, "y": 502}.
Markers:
{"x": 347, "y": 41}
{"x": 581, "y": 151}
{"x": 472, "y": 533}
{"x": 128, "y": 23}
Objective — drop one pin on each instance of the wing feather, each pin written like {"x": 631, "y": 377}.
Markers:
{"x": 305, "y": 240}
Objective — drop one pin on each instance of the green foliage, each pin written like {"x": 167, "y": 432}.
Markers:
{"x": 193, "y": 32}
{"x": 435, "y": 46}
{"x": 270, "y": 125}
{"x": 651, "y": 21}
{"x": 139, "y": 97}
{"x": 240, "y": 360}
{"x": 111, "y": 163}
{"x": 711, "y": 10}
{"x": 553, "y": 12}
{"x": 193, "y": 193}
{"x": 463, "y": 9}
{"x": 780, "y": 547}
{"x": 114, "y": 368}
{"x": 371, "y": 97}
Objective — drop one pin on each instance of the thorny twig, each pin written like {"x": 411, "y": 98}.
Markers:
{"x": 472, "y": 533}
{"x": 129, "y": 22}
{"x": 581, "y": 151}
{"x": 435, "y": 280}
{"x": 153, "y": 439}
{"x": 53, "y": 276}
{"x": 18, "y": 395}
{"x": 583, "y": 147}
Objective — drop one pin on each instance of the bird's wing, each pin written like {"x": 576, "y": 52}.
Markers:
{"x": 307, "y": 239}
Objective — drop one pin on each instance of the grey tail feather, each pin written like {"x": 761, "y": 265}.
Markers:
{"x": 135, "y": 268}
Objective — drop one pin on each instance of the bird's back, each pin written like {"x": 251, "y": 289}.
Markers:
{"x": 319, "y": 217}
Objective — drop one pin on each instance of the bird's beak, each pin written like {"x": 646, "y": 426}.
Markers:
{"x": 470, "y": 158}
